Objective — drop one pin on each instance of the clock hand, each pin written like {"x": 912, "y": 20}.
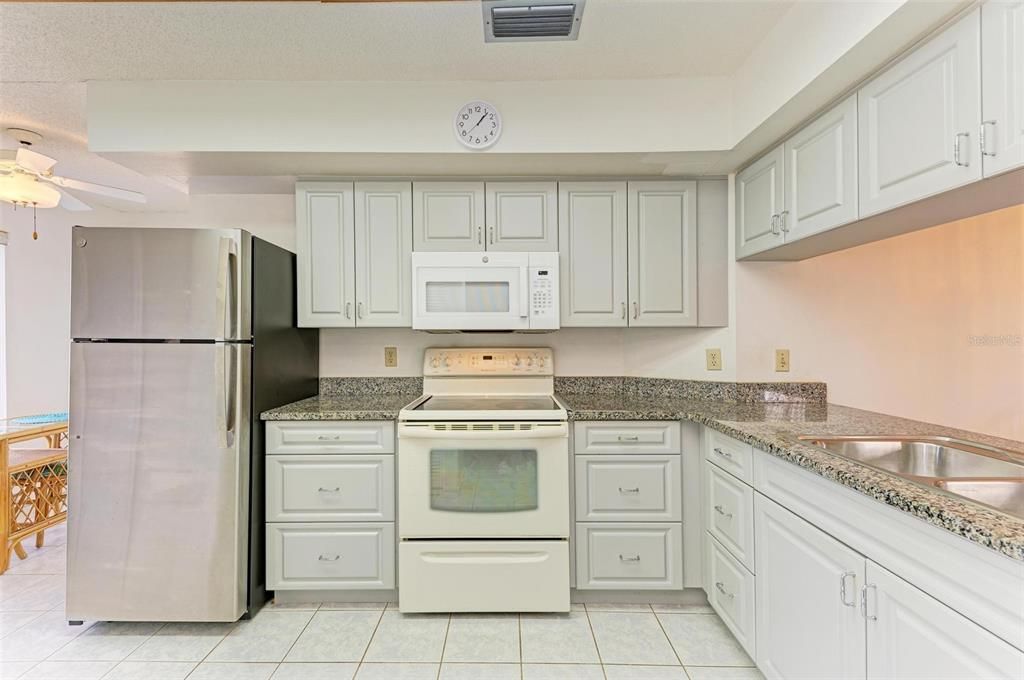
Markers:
{"x": 478, "y": 122}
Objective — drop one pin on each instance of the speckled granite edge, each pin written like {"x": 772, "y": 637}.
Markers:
{"x": 708, "y": 390}
{"x": 375, "y": 385}
{"x": 381, "y": 406}
{"x": 988, "y": 528}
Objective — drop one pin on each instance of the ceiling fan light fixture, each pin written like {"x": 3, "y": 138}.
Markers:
{"x": 22, "y": 189}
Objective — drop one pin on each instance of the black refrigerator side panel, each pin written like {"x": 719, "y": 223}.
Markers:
{"x": 286, "y": 368}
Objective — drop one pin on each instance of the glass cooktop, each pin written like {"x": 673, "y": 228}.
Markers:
{"x": 489, "y": 403}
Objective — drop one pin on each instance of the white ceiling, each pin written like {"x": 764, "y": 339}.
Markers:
{"x": 369, "y": 41}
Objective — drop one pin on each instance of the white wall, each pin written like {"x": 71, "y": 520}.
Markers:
{"x": 927, "y": 325}
{"x": 650, "y": 352}
{"x": 38, "y": 281}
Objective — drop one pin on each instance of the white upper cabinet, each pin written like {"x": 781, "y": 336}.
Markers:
{"x": 383, "y": 248}
{"x": 919, "y": 121}
{"x": 821, "y": 173}
{"x": 662, "y": 246}
{"x": 1002, "y": 85}
{"x": 326, "y": 254}
{"x": 522, "y": 216}
{"x": 759, "y": 204}
{"x": 807, "y": 619}
{"x": 592, "y": 253}
{"x": 912, "y": 635}
{"x": 448, "y": 216}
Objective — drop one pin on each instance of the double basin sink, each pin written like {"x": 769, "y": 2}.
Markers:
{"x": 980, "y": 473}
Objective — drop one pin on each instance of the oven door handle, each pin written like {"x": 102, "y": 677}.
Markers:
{"x": 545, "y": 431}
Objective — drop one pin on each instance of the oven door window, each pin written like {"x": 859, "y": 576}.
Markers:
{"x": 483, "y": 480}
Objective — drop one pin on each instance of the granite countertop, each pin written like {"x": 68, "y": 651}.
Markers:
{"x": 775, "y": 426}
{"x": 383, "y": 406}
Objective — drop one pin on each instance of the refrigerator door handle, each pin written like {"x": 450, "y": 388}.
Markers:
{"x": 227, "y": 293}
{"x": 226, "y": 378}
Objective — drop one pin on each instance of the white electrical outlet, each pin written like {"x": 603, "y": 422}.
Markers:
{"x": 390, "y": 357}
{"x": 782, "y": 360}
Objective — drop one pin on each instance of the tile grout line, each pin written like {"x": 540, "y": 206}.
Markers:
{"x": 359, "y": 664}
{"x": 292, "y": 645}
{"x": 444, "y": 644}
{"x": 669, "y": 640}
{"x": 212, "y": 649}
{"x": 590, "y": 626}
{"x": 519, "y": 630}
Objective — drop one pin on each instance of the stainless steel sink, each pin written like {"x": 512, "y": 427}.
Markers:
{"x": 1003, "y": 494}
{"x": 981, "y": 473}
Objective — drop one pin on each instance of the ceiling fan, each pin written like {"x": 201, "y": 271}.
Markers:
{"x": 27, "y": 179}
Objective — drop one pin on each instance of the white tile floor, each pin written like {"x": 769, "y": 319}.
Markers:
{"x": 362, "y": 642}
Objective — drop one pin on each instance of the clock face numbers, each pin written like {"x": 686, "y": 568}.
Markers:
{"x": 477, "y": 125}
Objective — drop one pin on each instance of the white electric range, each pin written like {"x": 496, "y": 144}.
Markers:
{"x": 483, "y": 481}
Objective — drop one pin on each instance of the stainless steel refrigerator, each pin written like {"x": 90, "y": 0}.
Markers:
{"x": 179, "y": 339}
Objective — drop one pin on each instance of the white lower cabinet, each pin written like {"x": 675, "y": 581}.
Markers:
{"x": 912, "y": 635}
{"x": 629, "y": 556}
{"x": 731, "y": 594}
{"x": 805, "y": 628}
{"x": 330, "y": 496}
{"x": 823, "y": 610}
{"x": 325, "y": 556}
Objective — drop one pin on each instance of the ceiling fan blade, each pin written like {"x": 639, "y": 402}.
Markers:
{"x": 69, "y": 202}
{"x": 33, "y": 161}
{"x": 99, "y": 189}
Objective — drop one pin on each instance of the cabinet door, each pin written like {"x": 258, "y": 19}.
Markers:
{"x": 448, "y": 216}
{"x": 805, "y": 627}
{"x": 912, "y": 635}
{"x": 919, "y": 121}
{"x": 383, "y": 240}
{"x": 522, "y": 216}
{"x": 759, "y": 202}
{"x": 326, "y": 254}
{"x": 662, "y": 226}
{"x": 592, "y": 253}
{"x": 1002, "y": 85}
{"x": 821, "y": 173}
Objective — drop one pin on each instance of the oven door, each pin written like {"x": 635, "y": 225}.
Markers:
{"x": 470, "y": 291}
{"x": 483, "y": 480}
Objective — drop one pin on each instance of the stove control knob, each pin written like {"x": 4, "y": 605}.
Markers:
{"x": 529, "y": 362}
{"x": 540, "y": 361}
{"x": 447, "y": 362}
{"x": 434, "y": 363}
{"x": 517, "y": 362}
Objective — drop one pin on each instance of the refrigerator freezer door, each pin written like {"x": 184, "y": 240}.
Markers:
{"x": 160, "y": 284}
{"x": 158, "y": 488}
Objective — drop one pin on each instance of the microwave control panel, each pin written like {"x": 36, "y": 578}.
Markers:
{"x": 544, "y": 312}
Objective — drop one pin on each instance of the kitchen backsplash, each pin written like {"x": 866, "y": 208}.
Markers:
{"x": 788, "y": 392}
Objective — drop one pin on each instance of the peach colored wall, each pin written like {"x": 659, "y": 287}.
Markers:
{"x": 927, "y": 325}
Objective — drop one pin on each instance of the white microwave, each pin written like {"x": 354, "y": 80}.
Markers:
{"x": 485, "y": 291}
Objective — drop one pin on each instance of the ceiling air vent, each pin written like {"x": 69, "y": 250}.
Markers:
{"x": 523, "y": 20}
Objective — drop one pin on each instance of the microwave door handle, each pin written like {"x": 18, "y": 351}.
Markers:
{"x": 524, "y": 293}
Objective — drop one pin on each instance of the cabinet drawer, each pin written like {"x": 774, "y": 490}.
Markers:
{"x": 730, "y": 514}
{"x": 330, "y": 556}
{"x": 484, "y": 576}
{"x": 628, "y": 488}
{"x": 629, "y": 556}
{"x": 729, "y": 454}
{"x": 731, "y": 594}
{"x": 330, "y": 437}
{"x": 330, "y": 488}
{"x": 627, "y": 437}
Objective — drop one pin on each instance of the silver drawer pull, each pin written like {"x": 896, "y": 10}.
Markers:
{"x": 721, "y": 511}
{"x": 723, "y": 591}
{"x": 630, "y": 438}
{"x": 842, "y": 588}
{"x": 334, "y": 490}
{"x": 329, "y": 558}
{"x": 325, "y": 438}
{"x": 624, "y": 558}
{"x": 724, "y": 454}
{"x": 635, "y": 489}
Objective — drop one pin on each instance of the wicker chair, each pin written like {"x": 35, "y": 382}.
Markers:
{"x": 38, "y": 480}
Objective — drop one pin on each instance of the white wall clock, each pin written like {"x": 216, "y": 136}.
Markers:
{"x": 477, "y": 125}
